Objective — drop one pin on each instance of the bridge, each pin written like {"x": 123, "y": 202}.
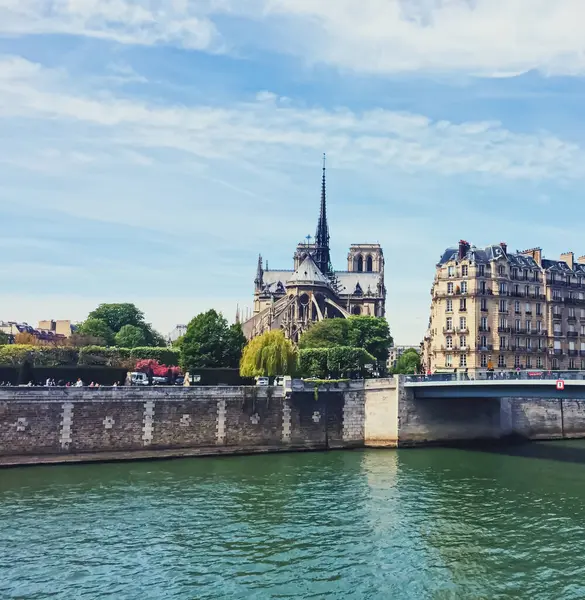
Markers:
{"x": 510, "y": 384}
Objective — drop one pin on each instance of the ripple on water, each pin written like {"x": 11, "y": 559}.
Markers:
{"x": 358, "y": 525}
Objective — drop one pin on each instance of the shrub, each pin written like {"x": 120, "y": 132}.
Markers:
{"x": 333, "y": 362}
{"x": 16, "y": 354}
{"x": 166, "y": 356}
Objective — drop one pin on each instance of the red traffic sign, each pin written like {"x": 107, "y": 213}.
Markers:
{"x": 560, "y": 384}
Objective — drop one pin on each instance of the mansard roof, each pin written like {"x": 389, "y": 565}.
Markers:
{"x": 487, "y": 254}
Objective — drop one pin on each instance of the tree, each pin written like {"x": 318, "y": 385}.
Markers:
{"x": 130, "y": 336}
{"x": 408, "y": 363}
{"x": 97, "y": 328}
{"x": 118, "y": 315}
{"x": 210, "y": 343}
{"x": 326, "y": 334}
{"x": 78, "y": 340}
{"x": 26, "y": 338}
{"x": 370, "y": 333}
{"x": 268, "y": 355}
{"x": 4, "y": 338}
{"x": 235, "y": 346}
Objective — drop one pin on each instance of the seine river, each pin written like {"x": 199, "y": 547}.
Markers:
{"x": 432, "y": 523}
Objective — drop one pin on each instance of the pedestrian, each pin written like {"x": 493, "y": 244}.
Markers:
{"x": 79, "y": 382}
{"x": 48, "y": 382}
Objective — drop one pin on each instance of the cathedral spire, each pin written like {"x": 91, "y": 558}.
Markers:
{"x": 322, "y": 254}
{"x": 259, "y": 274}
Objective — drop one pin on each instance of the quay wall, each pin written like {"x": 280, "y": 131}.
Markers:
{"x": 39, "y": 425}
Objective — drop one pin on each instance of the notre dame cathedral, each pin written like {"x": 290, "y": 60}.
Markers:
{"x": 292, "y": 300}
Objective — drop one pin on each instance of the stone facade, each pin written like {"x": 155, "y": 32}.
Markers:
{"x": 496, "y": 309}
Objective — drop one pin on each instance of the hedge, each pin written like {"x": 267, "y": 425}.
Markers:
{"x": 51, "y": 356}
{"x": 333, "y": 362}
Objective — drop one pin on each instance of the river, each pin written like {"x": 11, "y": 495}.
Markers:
{"x": 377, "y": 524}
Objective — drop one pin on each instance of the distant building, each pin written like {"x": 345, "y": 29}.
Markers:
{"x": 176, "y": 333}
{"x": 65, "y": 328}
{"x": 396, "y": 352}
{"x": 13, "y": 328}
{"x": 292, "y": 300}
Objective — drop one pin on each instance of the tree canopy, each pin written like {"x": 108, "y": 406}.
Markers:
{"x": 268, "y": 355}
{"x": 116, "y": 317}
{"x": 210, "y": 342}
{"x": 370, "y": 333}
{"x": 97, "y": 328}
{"x": 4, "y": 338}
{"x": 408, "y": 363}
{"x": 130, "y": 336}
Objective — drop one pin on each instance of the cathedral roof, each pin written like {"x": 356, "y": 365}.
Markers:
{"x": 308, "y": 273}
{"x": 348, "y": 281}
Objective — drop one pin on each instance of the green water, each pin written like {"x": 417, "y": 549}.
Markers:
{"x": 432, "y": 523}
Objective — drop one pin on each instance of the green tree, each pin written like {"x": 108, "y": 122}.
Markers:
{"x": 4, "y": 338}
{"x": 118, "y": 315}
{"x": 408, "y": 363}
{"x": 209, "y": 342}
{"x": 326, "y": 334}
{"x": 372, "y": 334}
{"x": 130, "y": 336}
{"x": 97, "y": 328}
{"x": 268, "y": 355}
{"x": 235, "y": 346}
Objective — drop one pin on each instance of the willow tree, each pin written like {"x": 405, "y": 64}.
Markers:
{"x": 268, "y": 355}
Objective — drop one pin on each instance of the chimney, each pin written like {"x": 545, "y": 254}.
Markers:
{"x": 535, "y": 253}
{"x": 504, "y": 247}
{"x": 581, "y": 260}
{"x": 569, "y": 258}
{"x": 463, "y": 249}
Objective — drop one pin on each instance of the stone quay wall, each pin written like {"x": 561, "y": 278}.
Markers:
{"x": 40, "y": 425}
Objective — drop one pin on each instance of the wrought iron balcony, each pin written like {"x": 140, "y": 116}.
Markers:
{"x": 573, "y": 352}
{"x": 484, "y": 329}
{"x": 572, "y": 333}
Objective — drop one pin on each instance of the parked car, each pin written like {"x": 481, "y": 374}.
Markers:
{"x": 160, "y": 381}
{"x": 138, "y": 379}
{"x": 179, "y": 380}
{"x": 262, "y": 381}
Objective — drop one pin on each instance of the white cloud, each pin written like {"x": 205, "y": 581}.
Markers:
{"x": 270, "y": 130}
{"x": 123, "y": 21}
{"x": 496, "y": 38}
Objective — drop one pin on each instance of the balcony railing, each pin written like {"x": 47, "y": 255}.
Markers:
{"x": 520, "y": 330}
{"x": 555, "y": 351}
{"x": 573, "y": 352}
{"x": 484, "y": 329}
{"x": 504, "y": 329}
{"x": 572, "y": 333}
{"x": 558, "y": 334}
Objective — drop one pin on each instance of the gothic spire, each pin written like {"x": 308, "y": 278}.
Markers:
{"x": 322, "y": 254}
{"x": 259, "y": 274}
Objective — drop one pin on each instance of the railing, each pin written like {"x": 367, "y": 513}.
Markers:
{"x": 572, "y": 333}
{"x": 501, "y": 374}
{"x": 484, "y": 329}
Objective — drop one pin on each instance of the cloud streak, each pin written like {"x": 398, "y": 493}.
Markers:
{"x": 493, "y": 38}
{"x": 272, "y": 130}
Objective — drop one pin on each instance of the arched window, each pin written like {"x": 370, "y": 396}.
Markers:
{"x": 360, "y": 263}
{"x": 369, "y": 264}
{"x": 356, "y": 310}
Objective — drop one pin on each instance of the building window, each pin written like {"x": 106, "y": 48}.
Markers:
{"x": 464, "y": 287}
{"x": 483, "y": 323}
{"x": 502, "y": 323}
{"x": 448, "y": 360}
{"x": 463, "y": 304}
{"x": 369, "y": 264}
{"x": 572, "y": 363}
{"x": 449, "y": 305}
{"x": 528, "y": 343}
{"x": 518, "y": 325}
{"x": 501, "y": 270}
{"x": 539, "y": 309}
{"x": 450, "y": 287}
{"x": 360, "y": 264}
{"x": 516, "y": 306}
{"x": 501, "y": 361}
{"x": 555, "y": 363}
{"x": 463, "y": 360}
{"x": 483, "y": 360}
{"x": 462, "y": 323}
{"x": 528, "y": 362}
{"x": 503, "y": 288}
{"x": 483, "y": 341}
{"x": 527, "y": 290}
{"x": 463, "y": 341}
{"x": 539, "y": 362}
{"x": 583, "y": 313}
{"x": 464, "y": 270}
{"x": 481, "y": 270}
{"x": 557, "y": 344}
{"x": 484, "y": 304}
{"x": 528, "y": 326}
{"x": 516, "y": 361}
{"x": 556, "y": 294}
{"x": 514, "y": 273}
{"x": 528, "y": 307}
{"x": 538, "y": 326}
{"x": 449, "y": 324}
{"x": 503, "y": 343}
{"x": 540, "y": 343}
{"x": 503, "y": 305}
{"x": 571, "y": 345}
{"x": 449, "y": 341}
{"x": 582, "y": 329}
{"x": 451, "y": 271}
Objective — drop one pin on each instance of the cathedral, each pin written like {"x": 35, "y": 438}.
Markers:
{"x": 292, "y": 300}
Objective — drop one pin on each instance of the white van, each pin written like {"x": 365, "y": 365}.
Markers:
{"x": 262, "y": 381}
{"x": 138, "y": 379}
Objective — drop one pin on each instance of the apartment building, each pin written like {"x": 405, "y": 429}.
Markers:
{"x": 495, "y": 309}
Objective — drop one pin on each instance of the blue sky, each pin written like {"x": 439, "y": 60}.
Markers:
{"x": 150, "y": 150}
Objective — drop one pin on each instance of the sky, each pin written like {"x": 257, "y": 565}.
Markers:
{"x": 149, "y": 151}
